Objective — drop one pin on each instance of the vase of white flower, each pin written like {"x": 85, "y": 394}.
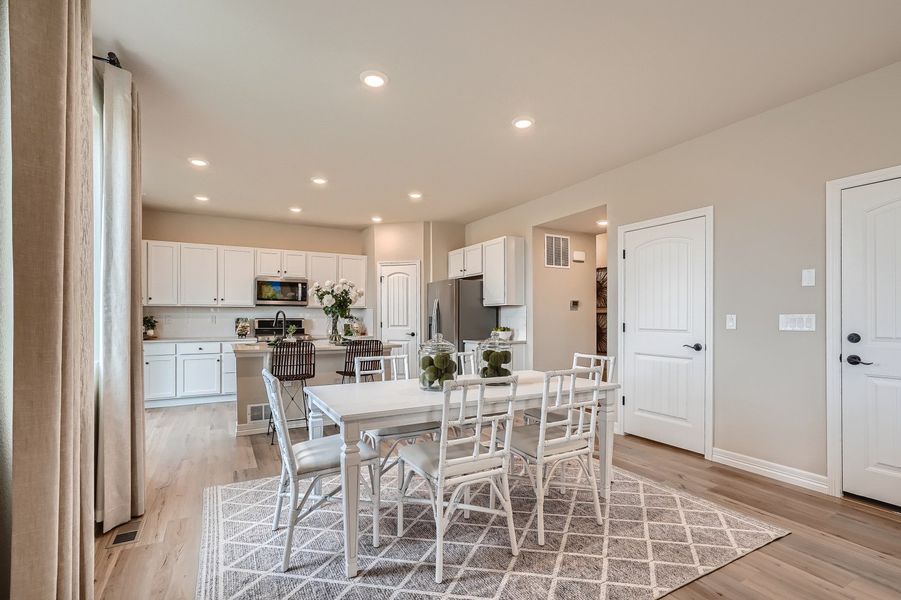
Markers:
{"x": 336, "y": 300}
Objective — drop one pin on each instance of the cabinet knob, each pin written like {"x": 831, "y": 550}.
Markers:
{"x": 150, "y": 297}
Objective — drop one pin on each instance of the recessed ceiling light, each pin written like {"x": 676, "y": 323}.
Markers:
{"x": 602, "y": 223}
{"x": 376, "y": 219}
{"x": 199, "y": 162}
{"x": 415, "y": 195}
{"x": 295, "y": 209}
{"x": 373, "y": 79}
{"x": 200, "y": 198}
{"x": 319, "y": 180}
{"x": 523, "y": 122}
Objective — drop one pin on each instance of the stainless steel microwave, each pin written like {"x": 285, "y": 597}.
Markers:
{"x": 280, "y": 291}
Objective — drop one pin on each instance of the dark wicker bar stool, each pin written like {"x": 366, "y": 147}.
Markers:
{"x": 360, "y": 348}
{"x": 293, "y": 363}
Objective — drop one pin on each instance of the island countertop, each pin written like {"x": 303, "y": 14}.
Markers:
{"x": 322, "y": 347}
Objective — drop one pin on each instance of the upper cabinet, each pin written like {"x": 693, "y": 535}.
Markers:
{"x": 455, "y": 263}
{"x": 236, "y": 274}
{"x": 162, "y": 273}
{"x": 465, "y": 262}
{"x": 199, "y": 275}
{"x": 322, "y": 267}
{"x": 281, "y": 263}
{"x": 353, "y": 268}
{"x": 503, "y": 279}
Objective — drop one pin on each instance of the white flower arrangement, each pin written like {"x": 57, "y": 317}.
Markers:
{"x": 337, "y": 298}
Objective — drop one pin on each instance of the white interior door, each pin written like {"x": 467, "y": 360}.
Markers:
{"x": 871, "y": 341}
{"x": 664, "y": 370}
{"x": 399, "y": 307}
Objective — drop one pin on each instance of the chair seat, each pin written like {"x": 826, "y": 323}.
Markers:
{"x": 554, "y": 414}
{"x": 404, "y": 430}
{"x": 524, "y": 440}
{"x": 424, "y": 457}
{"x": 323, "y": 454}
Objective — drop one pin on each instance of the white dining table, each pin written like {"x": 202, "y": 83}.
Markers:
{"x": 357, "y": 407}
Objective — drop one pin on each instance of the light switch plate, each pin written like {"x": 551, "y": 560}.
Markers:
{"x": 808, "y": 277}
{"x": 579, "y": 256}
{"x": 731, "y": 322}
{"x": 798, "y": 322}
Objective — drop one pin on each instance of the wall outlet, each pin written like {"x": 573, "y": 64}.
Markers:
{"x": 731, "y": 322}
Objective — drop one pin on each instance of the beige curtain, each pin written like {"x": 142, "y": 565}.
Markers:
{"x": 53, "y": 387}
{"x": 6, "y": 308}
{"x": 120, "y": 390}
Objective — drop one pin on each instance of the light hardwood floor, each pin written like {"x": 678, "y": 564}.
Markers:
{"x": 838, "y": 548}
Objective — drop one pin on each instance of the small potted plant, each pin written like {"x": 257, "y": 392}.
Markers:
{"x": 242, "y": 327}
{"x": 336, "y": 300}
{"x": 504, "y": 333}
{"x": 292, "y": 329}
{"x": 150, "y": 323}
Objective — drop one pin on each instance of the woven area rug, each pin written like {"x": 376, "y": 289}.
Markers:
{"x": 654, "y": 540}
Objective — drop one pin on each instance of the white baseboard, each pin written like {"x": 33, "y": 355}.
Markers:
{"x": 189, "y": 401}
{"x": 783, "y": 473}
{"x": 256, "y": 427}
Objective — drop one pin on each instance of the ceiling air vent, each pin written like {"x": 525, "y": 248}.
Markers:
{"x": 556, "y": 251}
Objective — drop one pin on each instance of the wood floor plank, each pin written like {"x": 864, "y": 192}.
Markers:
{"x": 839, "y": 548}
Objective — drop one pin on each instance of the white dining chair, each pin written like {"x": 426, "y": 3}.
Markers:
{"x": 466, "y": 362}
{"x": 399, "y": 367}
{"x": 313, "y": 459}
{"x": 454, "y": 465}
{"x": 590, "y": 361}
{"x": 556, "y": 440}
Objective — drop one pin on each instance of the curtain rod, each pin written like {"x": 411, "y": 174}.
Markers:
{"x": 111, "y": 58}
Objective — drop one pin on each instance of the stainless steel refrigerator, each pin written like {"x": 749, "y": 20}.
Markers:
{"x": 456, "y": 311}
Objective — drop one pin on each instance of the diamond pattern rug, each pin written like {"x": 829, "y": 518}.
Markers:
{"x": 654, "y": 540}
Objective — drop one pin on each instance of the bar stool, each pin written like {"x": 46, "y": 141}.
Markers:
{"x": 356, "y": 349}
{"x": 293, "y": 363}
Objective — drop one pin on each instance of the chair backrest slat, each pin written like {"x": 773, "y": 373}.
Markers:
{"x": 357, "y": 348}
{"x": 274, "y": 393}
{"x": 398, "y": 364}
{"x": 580, "y": 401}
{"x": 466, "y": 362}
{"x": 595, "y": 360}
{"x": 294, "y": 361}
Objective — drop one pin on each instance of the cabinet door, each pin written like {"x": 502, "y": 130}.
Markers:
{"x": 199, "y": 375}
{"x": 159, "y": 377}
{"x": 269, "y": 262}
{"x": 236, "y": 276}
{"x": 472, "y": 260}
{"x": 455, "y": 264}
{"x": 294, "y": 264}
{"x": 353, "y": 268}
{"x": 198, "y": 282}
{"x": 229, "y": 373}
{"x": 495, "y": 273}
{"x": 323, "y": 267}
{"x": 162, "y": 273}
{"x": 144, "y": 273}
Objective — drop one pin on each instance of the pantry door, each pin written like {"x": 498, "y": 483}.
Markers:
{"x": 666, "y": 284}
{"x": 399, "y": 307}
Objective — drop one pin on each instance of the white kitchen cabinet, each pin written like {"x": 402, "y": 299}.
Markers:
{"x": 199, "y": 375}
{"x": 472, "y": 260}
{"x": 198, "y": 275}
{"x": 162, "y": 273}
{"x": 294, "y": 264}
{"x": 269, "y": 262}
{"x": 503, "y": 279}
{"x": 322, "y": 267}
{"x": 229, "y": 373}
{"x": 353, "y": 268}
{"x": 143, "y": 272}
{"x": 159, "y": 377}
{"x": 236, "y": 274}
{"x": 455, "y": 264}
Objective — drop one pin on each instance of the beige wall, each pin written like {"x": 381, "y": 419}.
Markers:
{"x": 444, "y": 237}
{"x": 765, "y": 178}
{"x": 559, "y": 331}
{"x": 203, "y": 229}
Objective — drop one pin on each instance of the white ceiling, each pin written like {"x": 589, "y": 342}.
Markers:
{"x": 269, "y": 92}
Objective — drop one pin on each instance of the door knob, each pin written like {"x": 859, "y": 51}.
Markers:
{"x": 412, "y": 334}
{"x": 853, "y": 359}
{"x": 695, "y": 347}
{"x": 853, "y": 337}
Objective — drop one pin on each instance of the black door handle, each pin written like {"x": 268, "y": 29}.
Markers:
{"x": 695, "y": 347}
{"x": 412, "y": 334}
{"x": 853, "y": 359}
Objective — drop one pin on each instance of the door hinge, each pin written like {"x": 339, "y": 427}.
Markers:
{"x": 840, "y": 358}
{"x": 624, "y": 327}
{"x": 624, "y": 400}
{"x": 380, "y": 325}
{"x": 381, "y": 278}
{"x": 624, "y": 254}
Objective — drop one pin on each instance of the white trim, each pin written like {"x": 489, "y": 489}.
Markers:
{"x": 377, "y": 318}
{"x": 255, "y": 427}
{"x": 189, "y": 401}
{"x": 783, "y": 473}
{"x": 707, "y": 213}
{"x": 834, "y": 317}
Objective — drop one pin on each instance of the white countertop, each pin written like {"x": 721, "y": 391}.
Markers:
{"x": 322, "y": 347}
{"x": 171, "y": 340}
{"x": 508, "y": 341}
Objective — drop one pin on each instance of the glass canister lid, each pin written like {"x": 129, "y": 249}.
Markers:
{"x": 437, "y": 344}
{"x": 495, "y": 342}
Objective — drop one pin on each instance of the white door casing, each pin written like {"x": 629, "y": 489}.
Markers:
{"x": 399, "y": 307}
{"x": 666, "y": 291}
{"x": 871, "y": 309}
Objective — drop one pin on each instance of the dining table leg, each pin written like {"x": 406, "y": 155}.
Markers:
{"x": 605, "y": 443}
{"x": 350, "y": 474}
{"x": 316, "y": 429}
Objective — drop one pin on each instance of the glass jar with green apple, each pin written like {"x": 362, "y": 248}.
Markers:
{"x": 495, "y": 357}
{"x": 437, "y": 363}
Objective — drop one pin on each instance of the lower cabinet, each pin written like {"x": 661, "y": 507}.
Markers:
{"x": 229, "y": 373}
{"x": 159, "y": 377}
{"x": 199, "y": 375}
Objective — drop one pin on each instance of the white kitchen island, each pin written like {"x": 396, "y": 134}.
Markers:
{"x": 251, "y": 359}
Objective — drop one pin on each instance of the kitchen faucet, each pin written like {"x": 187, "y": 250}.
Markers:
{"x": 284, "y": 322}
